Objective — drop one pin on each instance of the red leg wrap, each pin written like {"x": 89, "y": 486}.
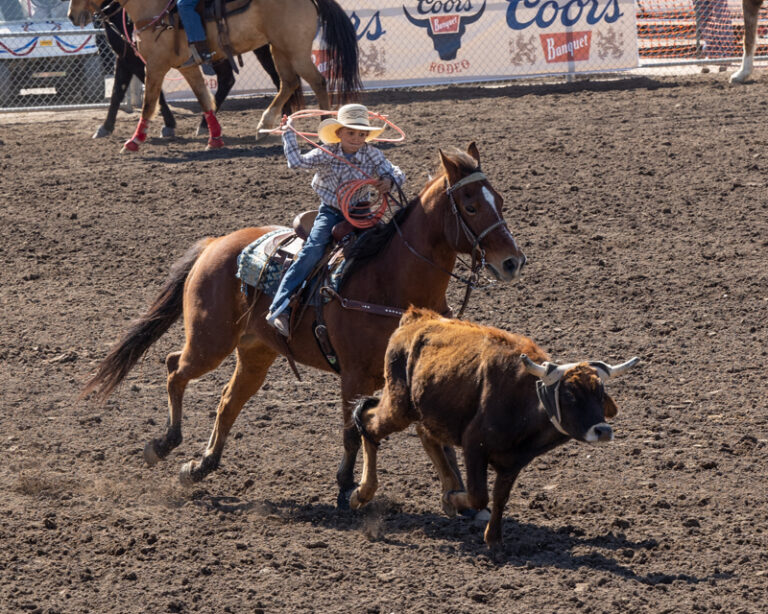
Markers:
{"x": 138, "y": 137}
{"x": 214, "y": 128}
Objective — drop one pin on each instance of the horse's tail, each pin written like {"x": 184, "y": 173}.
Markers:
{"x": 341, "y": 45}
{"x": 143, "y": 332}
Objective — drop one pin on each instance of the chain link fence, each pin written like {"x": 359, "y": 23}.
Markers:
{"x": 45, "y": 62}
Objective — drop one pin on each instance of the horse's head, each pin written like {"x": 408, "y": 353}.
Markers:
{"x": 477, "y": 225}
{"x": 81, "y": 12}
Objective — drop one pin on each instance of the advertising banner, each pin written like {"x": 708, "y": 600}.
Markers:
{"x": 429, "y": 42}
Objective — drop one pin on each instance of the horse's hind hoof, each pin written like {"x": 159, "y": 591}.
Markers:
{"x": 187, "y": 475}
{"x": 215, "y": 143}
{"x": 101, "y": 133}
{"x": 343, "y": 498}
{"x": 168, "y": 132}
{"x": 151, "y": 457}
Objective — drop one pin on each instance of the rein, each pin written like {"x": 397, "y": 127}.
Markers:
{"x": 477, "y": 263}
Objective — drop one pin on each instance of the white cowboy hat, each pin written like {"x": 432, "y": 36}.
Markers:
{"x": 353, "y": 116}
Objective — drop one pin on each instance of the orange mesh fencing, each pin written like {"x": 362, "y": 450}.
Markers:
{"x": 694, "y": 29}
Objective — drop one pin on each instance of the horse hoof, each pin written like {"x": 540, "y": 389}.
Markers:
{"x": 101, "y": 133}
{"x": 482, "y": 517}
{"x": 449, "y": 508}
{"x": 130, "y": 146}
{"x": 187, "y": 476}
{"x": 343, "y": 498}
{"x": 215, "y": 143}
{"x": 151, "y": 457}
{"x": 168, "y": 132}
{"x": 354, "y": 500}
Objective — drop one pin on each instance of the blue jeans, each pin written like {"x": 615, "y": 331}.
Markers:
{"x": 309, "y": 255}
{"x": 193, "y": 25}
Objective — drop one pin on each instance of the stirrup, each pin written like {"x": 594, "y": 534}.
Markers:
{"x": 196, "y": 57}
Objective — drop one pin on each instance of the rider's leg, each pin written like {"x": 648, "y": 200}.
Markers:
{"x": 306, "y": 259}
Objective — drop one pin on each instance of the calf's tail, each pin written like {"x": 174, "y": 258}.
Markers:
{"x": 362, "y": 405}
{"x": 142, "y": 333}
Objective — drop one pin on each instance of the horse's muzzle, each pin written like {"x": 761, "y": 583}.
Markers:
{"x": 81, "y": 19}
{"x": 513, "y": 266}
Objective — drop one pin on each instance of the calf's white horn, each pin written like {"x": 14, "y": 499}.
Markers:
{"x": 605, "y": 370}
{"x": 532, "y": 367}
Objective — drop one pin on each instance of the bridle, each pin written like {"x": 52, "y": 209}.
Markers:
{"x": 478, "y": 253}
{"x": 114, "y": 7}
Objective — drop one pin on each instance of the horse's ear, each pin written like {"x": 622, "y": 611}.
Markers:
{"x": 450, "y": 167}
{"x": 472, "y": 151}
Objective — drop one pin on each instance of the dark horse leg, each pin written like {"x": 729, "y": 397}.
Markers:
{"x": 353, "y": 386}
{"x": 127, "y": 65}
{"x": 127, "y": 69}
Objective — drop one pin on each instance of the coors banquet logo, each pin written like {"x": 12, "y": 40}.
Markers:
{"x": 445, "y": 22}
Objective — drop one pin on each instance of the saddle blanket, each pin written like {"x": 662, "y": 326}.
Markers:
{"x": 257, "y": 268}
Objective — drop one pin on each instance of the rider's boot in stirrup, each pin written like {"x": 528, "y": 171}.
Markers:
{"x": 200, "y": 53}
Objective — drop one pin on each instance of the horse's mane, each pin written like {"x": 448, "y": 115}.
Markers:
{"x": 376, "y": 239}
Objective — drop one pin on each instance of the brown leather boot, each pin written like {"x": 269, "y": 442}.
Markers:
{"x": 200, "y": 53}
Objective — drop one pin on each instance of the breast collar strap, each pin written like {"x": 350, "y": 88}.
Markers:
{"x": 549, "y": 397}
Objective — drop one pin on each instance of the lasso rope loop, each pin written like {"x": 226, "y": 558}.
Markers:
{"x": 361, "y": 205}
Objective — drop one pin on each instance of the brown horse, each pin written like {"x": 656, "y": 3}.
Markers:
{"x": 407, "y": 262}
{"x": 288, "y": 26}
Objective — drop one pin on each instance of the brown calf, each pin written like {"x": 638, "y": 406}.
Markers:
{"x": 487, "y": 391}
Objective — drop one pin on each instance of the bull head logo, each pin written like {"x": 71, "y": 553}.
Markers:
{"x": 446, "y": 30}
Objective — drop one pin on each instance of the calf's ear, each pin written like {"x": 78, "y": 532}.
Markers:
{"x": 609, "y": 407}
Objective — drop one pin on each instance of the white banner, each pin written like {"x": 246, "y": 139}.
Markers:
{"x": 428, "y": 42}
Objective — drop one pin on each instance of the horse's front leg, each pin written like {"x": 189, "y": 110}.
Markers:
{"x": 152, "y": 87}
{"x": 120, "y": 84}
{"x": 353, "y": 386}
{"x": 194, "y": 77}
{"x": 751, "y": 8}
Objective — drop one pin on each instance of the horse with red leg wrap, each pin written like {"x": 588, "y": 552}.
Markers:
{"x": 288, "y": 26}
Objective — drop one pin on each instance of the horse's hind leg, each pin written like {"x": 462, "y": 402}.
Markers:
{"x": 191, "y": 363}
{"x": 308, "y": 71}
{"x": 289, "y": 81}
{"x": 252, "y": 366}
{"x": 152, "y": 87}
{"x": 751, "y": 8}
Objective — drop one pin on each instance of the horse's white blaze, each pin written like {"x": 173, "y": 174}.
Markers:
{"x": 746, "y": 69}
{"x": 488, "y": 195}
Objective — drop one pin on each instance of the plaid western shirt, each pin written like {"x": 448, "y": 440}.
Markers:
{"x": 332, "y": 172}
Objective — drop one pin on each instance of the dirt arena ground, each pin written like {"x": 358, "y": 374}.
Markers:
{"x": 642, "y": 207}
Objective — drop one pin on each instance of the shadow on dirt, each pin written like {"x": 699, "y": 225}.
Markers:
{"x": 525, "y": 545}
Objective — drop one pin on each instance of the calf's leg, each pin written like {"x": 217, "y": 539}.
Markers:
{"x": 501, "y": 488}
{"x": 447, "y": 468}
